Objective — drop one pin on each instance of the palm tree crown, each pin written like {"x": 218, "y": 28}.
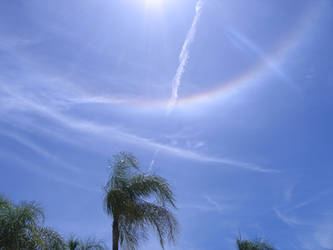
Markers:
{"x": 21, "y": 227}
{"x": 138, "y": 202}
{"x": 73, "y": 243}
{"x": 257, "y": 244}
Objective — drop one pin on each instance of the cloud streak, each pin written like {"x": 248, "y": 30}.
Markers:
{"x": 184, "y": 56}
{"x": 35, "y": 168}
{"x": 106, "y": 132}
{"x": 153, "y": 161}
{"x": 39, "y": 150}
{"x": 286, "y": 219}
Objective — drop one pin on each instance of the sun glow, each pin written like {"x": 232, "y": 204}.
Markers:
{"x": 154, "y": 3}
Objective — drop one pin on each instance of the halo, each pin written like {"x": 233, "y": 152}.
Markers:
{"x": 254, "y": 74}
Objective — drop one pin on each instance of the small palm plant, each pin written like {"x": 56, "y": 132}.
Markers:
{"x": 137, "y": 202}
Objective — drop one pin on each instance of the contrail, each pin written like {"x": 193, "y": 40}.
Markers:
{"x": 183, "y": 57}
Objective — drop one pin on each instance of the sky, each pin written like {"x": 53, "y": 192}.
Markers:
{"x": 230, "y": 101}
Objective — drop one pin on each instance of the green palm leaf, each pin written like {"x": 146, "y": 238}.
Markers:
{"x": 128, "y": 198}
{"x": 21, "y": 227}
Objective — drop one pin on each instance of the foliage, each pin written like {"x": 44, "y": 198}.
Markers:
{"x": 74, "y": 243}
{"x": 50, "y": 239}
{"x": 21, "y": 227}
{"x": 257, "y": 244}
{"x": 138, "y": 202}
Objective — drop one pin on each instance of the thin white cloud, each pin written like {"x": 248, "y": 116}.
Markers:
{"x": 323, "y": 234}
{"x": 196, "y": 156}
{"x": 199, "y": 144}
{"x": 153, "y": 161}
{"x": 12, "y": 43}
{"x": 39, "y": 150}
{"x": 318, "y": 235}
{"x": 201, "y": 207}
{"x": 23, "y": 103}
{"x": 286, "y": 219}
{"x": 288, "y": 193}
{"x": 45, "y": 173}
{"x": 184, "y": 56}
{"x": 183, "y": 133}
{"x": 210, "y": 205}
{"x": 311, "y": 200}
{"x": 218, "y": 207}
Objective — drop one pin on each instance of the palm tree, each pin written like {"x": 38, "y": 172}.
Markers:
{"x": 257, "y": 244}
{"x": 21, "y": 227}
{"x": 137, "y": 202}
{"x": 74, "y": 243}
{"x": 47, "y": 238}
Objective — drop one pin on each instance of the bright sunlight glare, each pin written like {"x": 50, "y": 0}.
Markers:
{"x": 154, "y": 3}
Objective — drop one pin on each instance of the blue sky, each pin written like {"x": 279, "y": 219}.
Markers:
{"x": 231, "y": 101}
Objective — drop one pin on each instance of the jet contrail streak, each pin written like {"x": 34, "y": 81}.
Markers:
{"x": 183, "y": 57}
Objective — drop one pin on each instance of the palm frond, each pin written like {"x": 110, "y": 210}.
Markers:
{"x": 117, "y": 202}
{"x": 126, "y": 199}
{"x": 92, "y": 244}
{"x": 50, "y": 239}
{"x": 144, "y": 215}
{"x": 162, "y": 220}
{"x": 143, "y": 186}
{"x": 4, "y": 203}
{"x": 21, "y": 227}
{"x": 123, "y": 164}
{"x": 131, "y": 233}
{"x": 256, "y": 244}
{"x": 73, "y": 243}
{"x": 31, "y": 212}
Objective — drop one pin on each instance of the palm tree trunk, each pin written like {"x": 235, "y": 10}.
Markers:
{"x": 115, "y": 234}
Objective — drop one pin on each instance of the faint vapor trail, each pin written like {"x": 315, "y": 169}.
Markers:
{"x": 153, "y": 160}
{"x": 183, "y": 57}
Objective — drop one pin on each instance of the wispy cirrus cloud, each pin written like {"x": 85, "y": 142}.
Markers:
{"x": 216, "y": 205}
{"x": 210, "y": 205}
{"x": 290, "y": 221}
{"x": 152, "y": 162}
{"x": 42, "y": 171}
{"x": 184, "y": 56}
{"x": 48, "y": 109}
{"x": 288, "y": 193}
{"x": 323, "y": 233}
{"x": 311, "y": 200}
{"x": 312, "y": 232}
{"x": 39, "y": 150}
{"x": 291, "y": 218}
